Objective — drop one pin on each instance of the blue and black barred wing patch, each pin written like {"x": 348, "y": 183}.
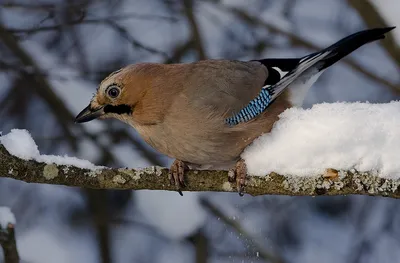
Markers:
{"x": 254, "y": 108}
{"x": 269, "y": 93}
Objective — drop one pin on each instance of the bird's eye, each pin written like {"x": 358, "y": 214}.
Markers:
{"x": 113, "y": 91}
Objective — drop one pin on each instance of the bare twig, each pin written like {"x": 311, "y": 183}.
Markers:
{"x": 34, "y": 30}
{"x": 135, "y": 43}
{"x": 373, "y": 18}
{"x": 263, "y": 253}
{"x": 38, "y": 6}
{"x": 200, "y": 242}
{"x": 9, "y": 245}
{"x": 195, "y": 32}
{"x": 180, "y": 51}
{"x": 100, "y": 217}
{"x": 72, "y": 5}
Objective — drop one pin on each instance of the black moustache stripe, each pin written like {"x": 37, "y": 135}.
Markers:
{"x": 118, "y": 109}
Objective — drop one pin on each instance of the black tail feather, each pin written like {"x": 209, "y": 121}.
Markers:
{"x": 350, "y": 43}
{"x": 337, "y": 51}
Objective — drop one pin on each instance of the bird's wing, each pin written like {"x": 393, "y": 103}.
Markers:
{"x": 222, "y": 87}
{"x": 280, "y": 78}
{"x": 300, "y": 74}
{"x": 239, "y": 91}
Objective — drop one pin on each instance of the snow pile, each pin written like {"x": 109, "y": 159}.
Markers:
{"x": 303, "y": 142}
{"x": 6, "y": 217}
{"x": 20, "y": 144}
{"x": 173, "y": 215}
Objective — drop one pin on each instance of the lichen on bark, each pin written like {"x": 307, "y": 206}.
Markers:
{"x": 156, "y": 178}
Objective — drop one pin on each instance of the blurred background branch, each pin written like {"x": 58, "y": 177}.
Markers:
{"x": 263, "y": 253}
{"x": 8, "y": 242}
{"x": 299, "y": 41}
{"x": 373, "y": 18}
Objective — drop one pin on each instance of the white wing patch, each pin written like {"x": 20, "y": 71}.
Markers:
{"x": 281, "y": 73}
{"x": 290, "y": 77}
{"x": 298, "y": 80}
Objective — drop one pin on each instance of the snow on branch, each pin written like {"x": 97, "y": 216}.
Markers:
{"x": 330, "y": 149}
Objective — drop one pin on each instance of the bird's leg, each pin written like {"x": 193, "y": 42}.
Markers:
{"x": 177, "y": 173}
{"x": 238, "y": 174}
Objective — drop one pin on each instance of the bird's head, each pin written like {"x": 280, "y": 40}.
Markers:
{"x": 116, "y": 96}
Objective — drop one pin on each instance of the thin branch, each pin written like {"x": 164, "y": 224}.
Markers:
{"x": 372, "y": 18}
{"x": 201, "y": 246}
{"x": 39, "y": 7}
{"x": 100, "y": 217}
{"x": 9, "y": 245}
{"x": 156, "y": 178}
{"x": 263, "y": 253}
{"x": 84, "y": 4}
{"x": 180, "y": 51}
{"x": 135, "y": 43}
{"x": 100, "y": 20}
{"x": 13, "y": 45}
{"x": 195, "y": 32}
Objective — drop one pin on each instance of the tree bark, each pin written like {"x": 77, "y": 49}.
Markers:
{"x": 156, "y": 178}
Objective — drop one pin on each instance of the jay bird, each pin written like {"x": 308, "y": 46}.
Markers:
{"x": 208, "y": 112}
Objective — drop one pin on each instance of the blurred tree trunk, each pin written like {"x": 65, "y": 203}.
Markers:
{"x": 98, "y": 206}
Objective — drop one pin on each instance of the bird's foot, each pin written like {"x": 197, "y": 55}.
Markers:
{"x": 331, "y": 174}
{"x": 238, "y": 174}
{"x": 177, "y": 173}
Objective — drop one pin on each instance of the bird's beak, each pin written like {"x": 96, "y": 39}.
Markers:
{"x": 88, "y": 114}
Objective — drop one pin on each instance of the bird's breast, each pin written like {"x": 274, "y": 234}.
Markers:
{"x": 197, "y": 142}
{"x": 203, "y": 138}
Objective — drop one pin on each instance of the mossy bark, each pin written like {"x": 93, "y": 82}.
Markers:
{"x": 156, "y": 178}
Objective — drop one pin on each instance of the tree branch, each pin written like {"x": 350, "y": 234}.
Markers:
{"x": 196, "y": 35}
{"x": 80, "y": 22}
{"x": 156, "y": 178}
{"x": 9, "y": 245}
{"x": 264, "y": 254}
{"x": 373, "y": 18}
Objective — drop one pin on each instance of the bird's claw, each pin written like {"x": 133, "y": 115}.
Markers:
{"x": 177, "y": 175}
{"x": 238, "y": 174}
{"x": 231, "y": 176}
